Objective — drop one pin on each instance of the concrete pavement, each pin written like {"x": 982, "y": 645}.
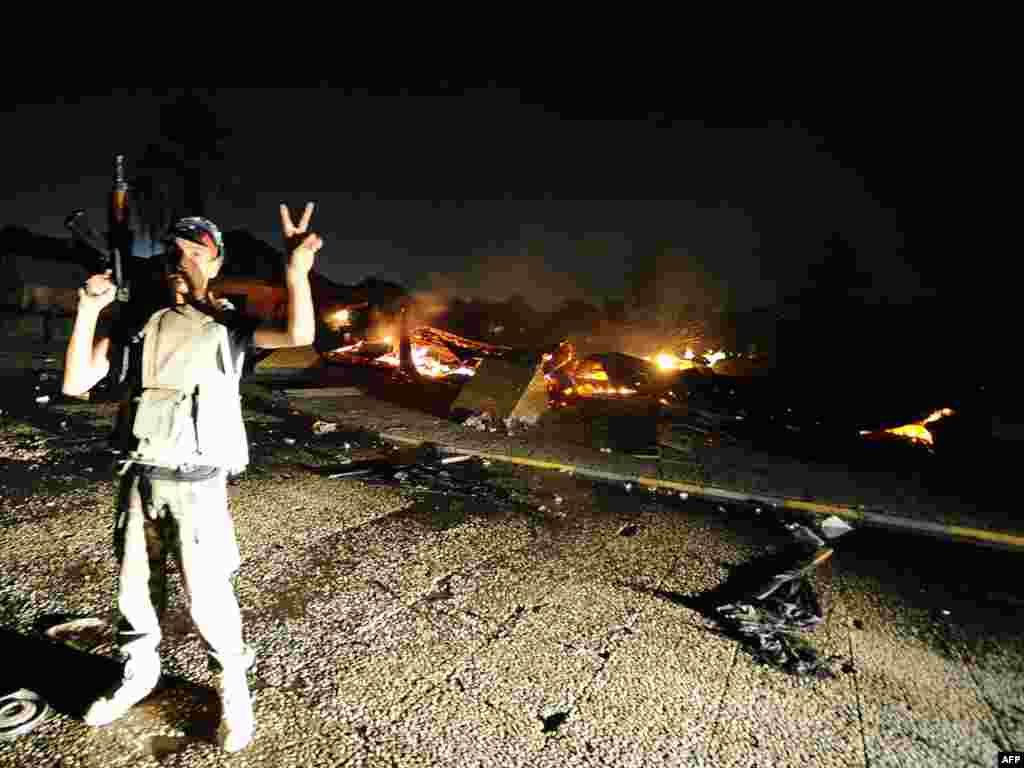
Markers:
{"x": 388, "y": 637}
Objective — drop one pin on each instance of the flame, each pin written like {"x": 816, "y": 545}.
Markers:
{"x": 588, "y": 390}
{"x": 426, "y": 363}
{"x": 916, "y": 432}
{"x": 427, "y": 358}
{"x": 667, "y": 362}
{"x": 341, "y": 318}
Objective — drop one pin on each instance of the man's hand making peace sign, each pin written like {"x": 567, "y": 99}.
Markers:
{"x": 302, "y": 245}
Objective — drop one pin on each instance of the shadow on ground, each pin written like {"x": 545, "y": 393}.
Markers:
{"x": 68, "y": 679}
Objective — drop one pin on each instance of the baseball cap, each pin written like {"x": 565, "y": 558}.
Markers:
{"x": 196, "y": 229}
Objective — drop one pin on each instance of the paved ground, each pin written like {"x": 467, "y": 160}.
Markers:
{"x": 395, "y": 628}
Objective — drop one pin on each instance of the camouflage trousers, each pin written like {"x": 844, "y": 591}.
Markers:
{"x": 191, "y": 522}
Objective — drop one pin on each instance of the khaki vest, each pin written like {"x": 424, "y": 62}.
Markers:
{"x": 190, "y": 409}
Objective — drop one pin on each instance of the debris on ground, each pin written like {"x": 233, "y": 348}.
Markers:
{"x": 515, "y": 424}
{"x": 775, "y": 617}
{"x": 89, "y": 635}
{"x": 20, "y": 712}
{"x": 833, "y": 527}
{"x": 428, "y": 471}
{"x": 323, "y": 427}
{"x": 484, "y": 422}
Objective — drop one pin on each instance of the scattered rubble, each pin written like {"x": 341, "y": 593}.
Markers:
{"x": 773, "y": 618}
{"x": 481, "y": 421}
{"x": 429, "y": 472}
{"x": 485, "y": 421}
{"x": 20, "y": 712}
{"x": 89, "y": 635}
{"x": 323, "y": 427}
{"x": 833, "y": 527}
{"x": 515, "y": 424}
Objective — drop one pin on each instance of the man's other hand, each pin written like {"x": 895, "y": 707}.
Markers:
{"x": 302, "y": 245}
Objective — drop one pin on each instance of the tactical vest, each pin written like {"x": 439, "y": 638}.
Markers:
{"x": 190, "y": 409}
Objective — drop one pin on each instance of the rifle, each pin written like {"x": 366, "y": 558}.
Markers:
{"x": 111, "y": 254}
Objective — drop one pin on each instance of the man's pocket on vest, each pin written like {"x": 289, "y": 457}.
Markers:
{"x": 164, "y": 417}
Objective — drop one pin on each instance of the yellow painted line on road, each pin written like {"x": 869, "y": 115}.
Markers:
{"x": 869, "y": 517}
{"x": 994, "y": 537}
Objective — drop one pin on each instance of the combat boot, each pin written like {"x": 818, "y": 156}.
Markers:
{"x": 237, "y": 721}
{"x": 140, "y": 676}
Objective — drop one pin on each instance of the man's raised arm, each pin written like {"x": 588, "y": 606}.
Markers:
{"x": 86, "y": 361}
{"x": 302, "y": 249}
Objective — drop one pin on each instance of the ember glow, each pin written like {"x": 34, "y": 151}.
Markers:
{"x": 589, "y": 390}
{"x": 430, "y": 357}
{"x": 918, "y": 431}
{"x": 429, "y": 361}
{"x": 666, "y": 361}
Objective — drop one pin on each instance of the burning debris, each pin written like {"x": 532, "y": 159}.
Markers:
{"x": 663, "y": 377}
{"x": 666, "y": 361}
{"x": 916, "y": 432}
{"x": 610, "y": 375}
{"x": 436, "y": 354}
{"x": 717, "y": 394}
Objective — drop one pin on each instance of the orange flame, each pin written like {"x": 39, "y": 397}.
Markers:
{"x": 588, "y": 390}
{"x": 431, "y": 362}
{"x": 917, "y": 432}
{"x": 666, "y": 361}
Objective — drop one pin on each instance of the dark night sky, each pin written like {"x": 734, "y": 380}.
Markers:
{"x": 497, "y": 191}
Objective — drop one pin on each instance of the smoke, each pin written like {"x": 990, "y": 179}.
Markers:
{"x": 427, "y": 306}
{"x": 546, "y": 269}
{"x": 672, "y": 280}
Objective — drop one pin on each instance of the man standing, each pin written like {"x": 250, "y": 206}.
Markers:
{"x": 181, "y": 433}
